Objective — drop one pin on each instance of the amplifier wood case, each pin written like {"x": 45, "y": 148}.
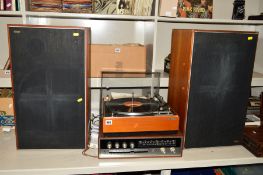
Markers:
{"x": 140, "y": 124}
{"x": 50, "y": 70}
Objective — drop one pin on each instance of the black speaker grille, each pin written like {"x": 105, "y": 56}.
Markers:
{"x": 48, "y": 78}
{"x": 222, "y": 66}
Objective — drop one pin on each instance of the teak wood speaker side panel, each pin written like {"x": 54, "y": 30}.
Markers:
{"x": 87, "y": 83}
{"x": 179, "y": 79}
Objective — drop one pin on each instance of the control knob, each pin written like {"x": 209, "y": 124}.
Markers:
{"x": 163, "y": 150}
{"x": 109, "y": 145}
{"x": 172, "y": 149}
{"x": 132, "y": 145}
{"x": 117, "y": 145}
{"x": 124, "y": 145}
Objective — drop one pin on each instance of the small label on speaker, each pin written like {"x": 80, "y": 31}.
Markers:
{"x": 75, "y": 34}
{"x": 117, "y": 50}
{"x": 250, "y": 38}
{"x": 79, "y": 100}
{"x": 108, "y": 122}
{"x": 17, "y": 31}
{"x": 7, "y": 72}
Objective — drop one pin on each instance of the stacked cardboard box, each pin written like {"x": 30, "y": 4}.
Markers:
{"x": 121, "y": 58}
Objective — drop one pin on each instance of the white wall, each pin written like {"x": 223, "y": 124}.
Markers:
{"x": 259, "y": 57}
{"x": 261, "y": 6}
{"x": 258, "y": 66}
{"x": 102, "y": 31}
{"x": 4, "y": 50}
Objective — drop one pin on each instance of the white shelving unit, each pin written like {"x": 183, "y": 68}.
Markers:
{"x": 88, "y": 16}
{"x": 10, "y": 13}
{"x": 152, "y": 31}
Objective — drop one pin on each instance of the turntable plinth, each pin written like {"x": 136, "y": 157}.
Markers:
{"x": 132, "y": 124}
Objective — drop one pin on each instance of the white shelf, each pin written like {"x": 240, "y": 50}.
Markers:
{"x": 66, "y": 161}
{"x": 10, "y": 13}
{"x": 209, "y": 21}
{"x": 89, "y": 16}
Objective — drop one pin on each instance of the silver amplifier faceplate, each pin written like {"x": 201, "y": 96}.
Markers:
{"x": 140, "y": 152}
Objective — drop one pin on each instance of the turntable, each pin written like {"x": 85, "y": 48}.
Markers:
{"x": 136, "y": 121}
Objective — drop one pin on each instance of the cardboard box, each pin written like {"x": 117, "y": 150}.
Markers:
{"x": 5, "y": 73}
{"x": 168, "y": 8}
{"x": 120, "y": 58}
{"x": 6, "y": 105}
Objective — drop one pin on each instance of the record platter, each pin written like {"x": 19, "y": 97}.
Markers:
{"x": 131, "y": 106}
{"x": 136, "y": 121}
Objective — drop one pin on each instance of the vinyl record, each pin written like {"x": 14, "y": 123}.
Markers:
{"x": 129, "y": 106}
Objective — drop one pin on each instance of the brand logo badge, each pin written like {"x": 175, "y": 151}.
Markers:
{"x": 108, "y": 122}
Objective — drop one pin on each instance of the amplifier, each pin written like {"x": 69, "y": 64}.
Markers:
{"x": 140, "y": 146}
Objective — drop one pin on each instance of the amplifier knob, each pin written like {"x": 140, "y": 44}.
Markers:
{"x": 117, "y": 145}
{"x": 124, "y": 145}
{"x": 172, "y": 149}
{"x": 132, "y": 145}
{"x": 163, "y": 150}
{"x": 109, "y": 145}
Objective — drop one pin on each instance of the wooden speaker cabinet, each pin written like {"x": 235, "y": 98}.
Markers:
{"x": 50, "y": 68}
{"x": 209, "y": 84}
